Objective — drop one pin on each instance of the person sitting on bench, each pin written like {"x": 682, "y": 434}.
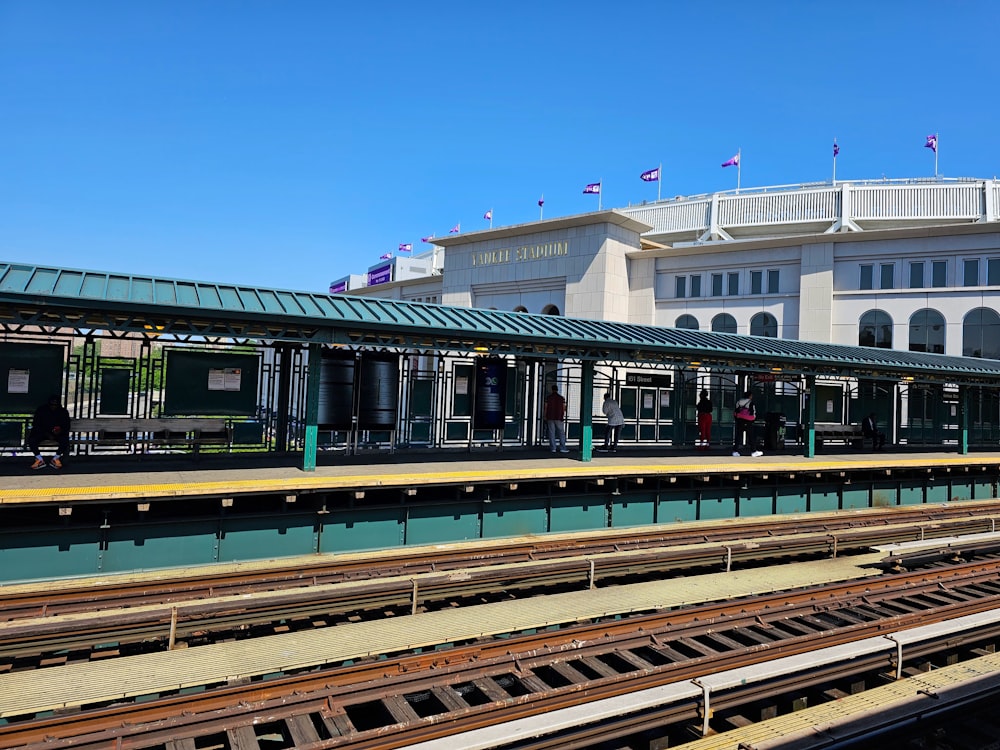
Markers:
{"x": 869, "y": 428}
{"x": 51, "y": 422}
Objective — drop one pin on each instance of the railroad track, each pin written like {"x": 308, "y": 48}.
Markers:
{"x": 387, "y": 702}
{"x": 110, "y": 631}
{"x": 65, "y": 597}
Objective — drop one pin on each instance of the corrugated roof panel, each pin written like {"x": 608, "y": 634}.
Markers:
{"x": 165, "y": 293}
{"x": 14, "y": 278}
{"x": 250, "y": 300}
{"x": 142, "y": 290}
{"x": 42, "y": 281}
{"x": 119, "y": 288}
{"x": 289, "y": 303}
{"x": 187, "y": 294}
{"x": 93, "y": 285}
{"x": 269, "y": 301}
{"x": 208, "y": 295}
{"x": 230, "y": 298}
{"x": 68, "y": 283}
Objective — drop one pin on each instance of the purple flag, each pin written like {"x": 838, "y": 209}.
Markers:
{"x": 931, "y": 143}
{"x": 385, "y": 256}
{"x": 428, "y": 238}
{"x": 541, "y": 201}
{"x": 456, "y": 228}
{"x": 836, "y": 149}
{"x": 405, "y": 247}
{"x": 734, "y": 162}
{"x": 488, "y": 215}
{"x": 652, "y": 175}
{"x": 594, "y": 187}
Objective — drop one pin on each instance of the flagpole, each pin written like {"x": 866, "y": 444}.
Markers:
{"x": 739, "y": 167}
{"x": 659, "y": 181}
{"x": 600, "y": 192}
{"x": 834, "y": 161}
{"x": 937, "y": 147}
{"x": 491, "y": 218}
{"x": 541, "y": 206}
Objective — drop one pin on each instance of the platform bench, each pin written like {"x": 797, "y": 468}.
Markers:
{"x": 850, "y": 434}
{"x": 143, "y": 434}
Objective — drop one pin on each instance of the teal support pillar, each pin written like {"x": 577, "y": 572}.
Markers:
{"x": 587, "y": 411}
{"x": 810, "y": 425}
{"x": 312, "y": 409}
{"x": 679, "y": 405}
{"x": 964, "y": 410}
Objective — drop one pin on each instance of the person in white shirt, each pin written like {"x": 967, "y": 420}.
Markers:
{"x": 616, "y": 419}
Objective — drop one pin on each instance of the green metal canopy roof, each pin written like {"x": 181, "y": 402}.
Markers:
{"x": 57, "y": 298}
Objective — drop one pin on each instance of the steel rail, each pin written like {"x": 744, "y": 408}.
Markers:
{"x": 221, "y": 617}
{"x": 125, "y": 723}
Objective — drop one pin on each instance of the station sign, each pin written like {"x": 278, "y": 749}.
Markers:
{"x": 649, "y": 379}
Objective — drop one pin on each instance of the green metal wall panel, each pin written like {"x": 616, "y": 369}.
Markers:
{"x": 855, "y": 495}
{"x": 577, "y": 514}
{"x": 252, "y": 538}
{"x": 961, "y": 489}
{"x": 677, "y": 507}
{"x": 635, "y": 510}
{"x": 911, "y": 493}
{"x": 756, "y": 501}
{"x": 982, "y": 489}
{"x": 938, "y": 490}
{"x": 825, "y": 498}
{"x": 51, "y": 553}
{"x": 791, "y": 500}
{"x": 430, "y": 524}
{"x": 885, "y": 494}
{"x": 358, "y": 529}
{"x": 515, "y": 518}
{"x": 161, "y": 545}
{"x": 716, "y": 504}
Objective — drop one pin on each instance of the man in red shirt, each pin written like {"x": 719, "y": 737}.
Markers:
{"x": 555, "y": 414}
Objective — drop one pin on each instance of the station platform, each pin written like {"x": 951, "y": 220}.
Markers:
{"x": 132, "y": 477}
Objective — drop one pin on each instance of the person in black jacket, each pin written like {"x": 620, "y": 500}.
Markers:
{"x": 51, "y": 422}
{"x": 869, "y": 428}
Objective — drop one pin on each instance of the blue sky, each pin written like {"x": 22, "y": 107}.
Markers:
{"x": 288, "y": 143}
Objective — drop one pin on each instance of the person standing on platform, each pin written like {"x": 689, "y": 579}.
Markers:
{"x": 704, "y": 421}
{"x": 616, "y": 419}
{"x": 869, "y": 428}
{"x": 51, "y": 422}
{"x": 555, "y": 413}
{"x": 745, "y": 413}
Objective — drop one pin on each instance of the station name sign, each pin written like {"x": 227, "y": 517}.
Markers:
{"x": 648, "y": 379}
{"x": 518, "y": 254}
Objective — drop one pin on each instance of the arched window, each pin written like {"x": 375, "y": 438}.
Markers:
{"x": 687, "y": 321}
{"x": 875, "y": 329}
{"x": 520, "y": 308}
{"x": 724, "y": 323}
{"x": 981, "y": 334}
{"x": 927, "y": 331}
{"x": 764, "y": 324}
{"x": 550, "y": 310}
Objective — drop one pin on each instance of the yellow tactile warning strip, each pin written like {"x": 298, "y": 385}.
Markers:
{"x": 78, "y": 684}
{"x": 68, "y": 487}
{"x": 818, "y": 725}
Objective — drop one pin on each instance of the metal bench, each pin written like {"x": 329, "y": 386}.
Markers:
{"x": 849, "y": 434}
{"x": 144, "y": 434}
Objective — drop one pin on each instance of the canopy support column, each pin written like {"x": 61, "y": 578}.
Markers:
{"x": 964, "y": 410}
{"x": 312, "y": 408}
{"x": 587, "y": 411}
{"x": 810, "y": 417}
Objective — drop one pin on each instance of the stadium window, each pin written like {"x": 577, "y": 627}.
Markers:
{"x": 970, "y": 272}
{"x": 927, "y": 331}
{"x": 716, "y": 284}
{"x": 681, "y": 289}
{"x": 687, "y": 321}
{"x": 939, "y": 273}
{"x": 756, "y": 282}
{"x": 696, "y": 286}
{"x": 764, "y": 324}
{"x": 993, "y": 272}
{"x": 734, "y": 284}
{"x": 724, "y": 323}
{"x": 981, "y": 334}
{"x": 875, "y": 329}
{"x": 917, "y": 274}
{"x": 887, "y": 278}
{"x": 772, "y": 281}
{"x": 867, "y": 276}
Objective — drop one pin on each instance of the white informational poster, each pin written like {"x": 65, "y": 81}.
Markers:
{"x": 17, "y": 380}
{"x": 829, "y": 406}
{"x": 664, "y": 399}
{"x": 462, "y": 386}
{"x": 225, "y": 379}
{"x": 647, "y": 401}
